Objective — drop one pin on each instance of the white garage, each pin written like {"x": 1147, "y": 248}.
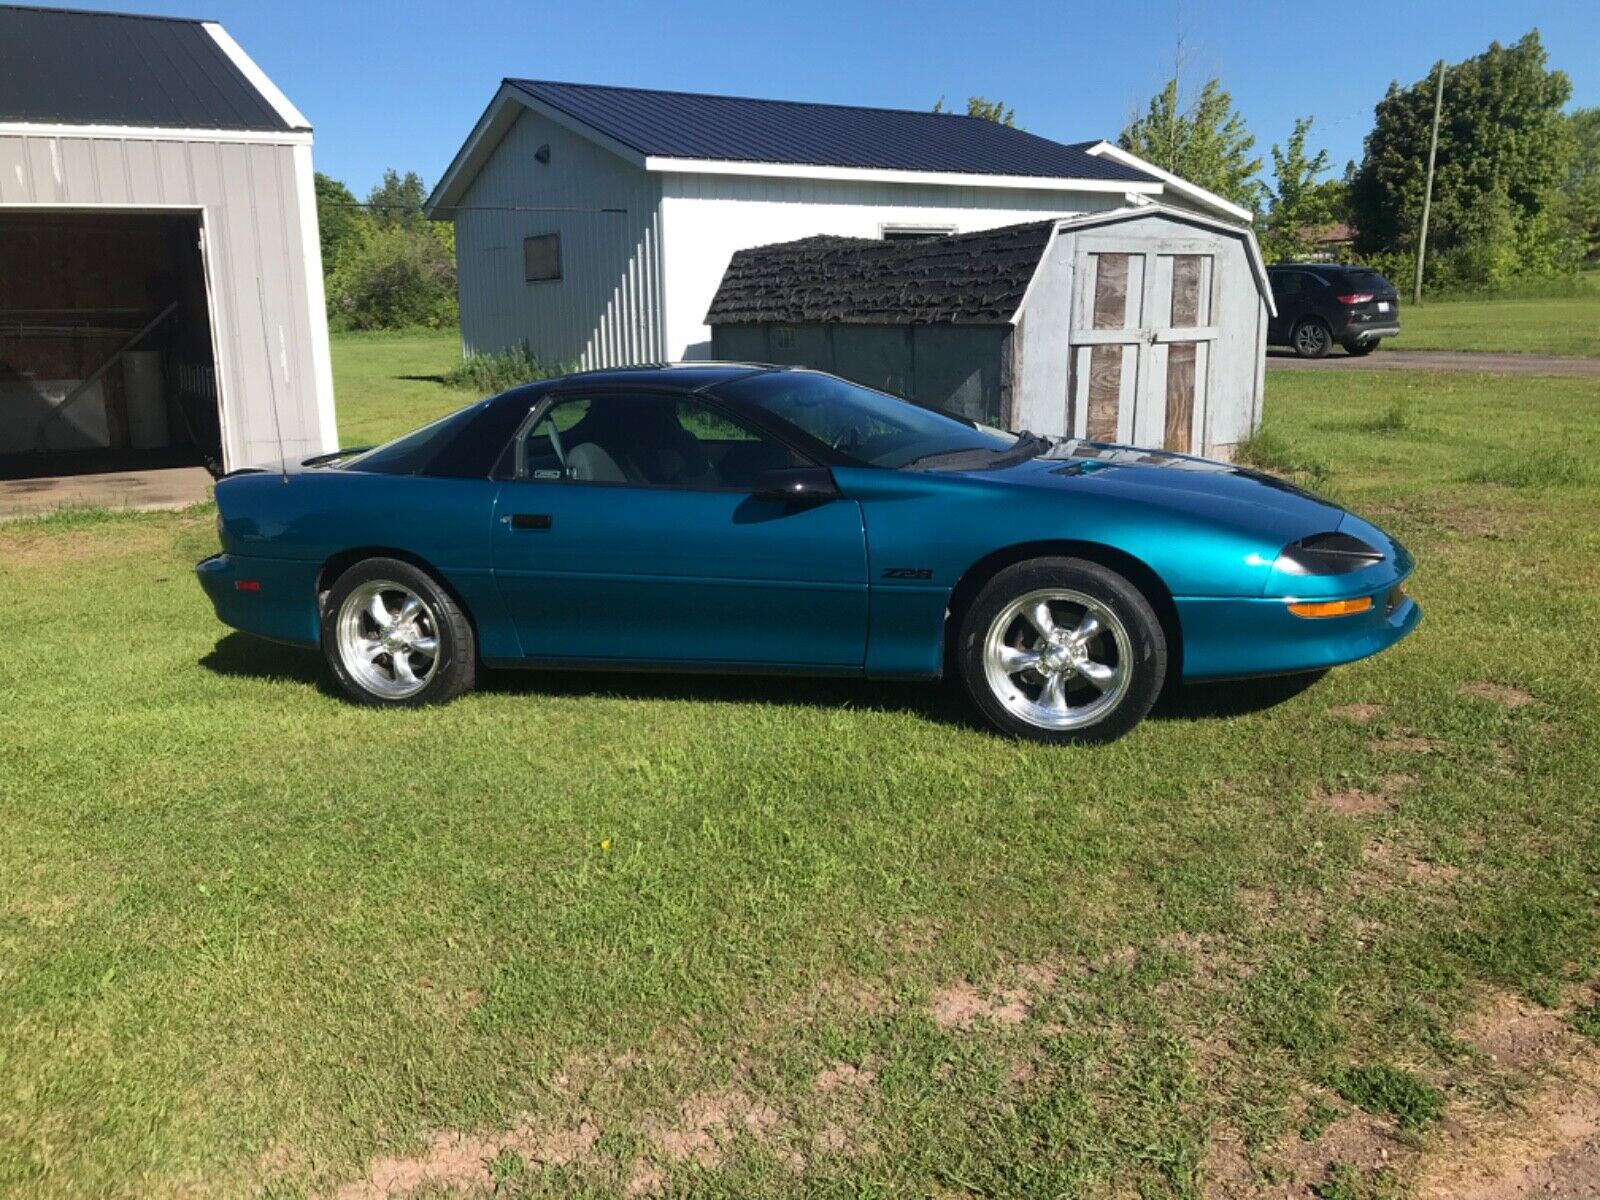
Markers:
{"x": 161, "y": 300}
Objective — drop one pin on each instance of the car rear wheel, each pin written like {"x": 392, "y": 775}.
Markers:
{"x": 395, "y": 638}
{"x": 1360, "y": 349}
{"x": 1311, "y": 338}
{"x": 1062, "y": 650}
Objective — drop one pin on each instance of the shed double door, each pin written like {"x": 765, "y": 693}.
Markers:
{"x": 1141, "y": 342}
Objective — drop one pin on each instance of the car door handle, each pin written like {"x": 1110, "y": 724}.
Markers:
{"x": 530, "y": 520}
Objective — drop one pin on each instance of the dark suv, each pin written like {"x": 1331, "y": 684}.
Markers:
{"x": 1319, "y": 304}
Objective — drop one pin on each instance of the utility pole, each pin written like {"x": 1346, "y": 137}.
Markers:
{"x": 1427, "y": 192}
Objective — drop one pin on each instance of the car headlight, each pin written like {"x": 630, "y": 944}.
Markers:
{"x": 1327, "y": 554}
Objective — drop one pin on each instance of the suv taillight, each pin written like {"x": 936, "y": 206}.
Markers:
{"x": 1354, "y": 298}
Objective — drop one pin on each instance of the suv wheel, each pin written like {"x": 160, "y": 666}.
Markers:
{"x": 1360, "y": 349}
{"x": 1062, "y": 650}
{"x": 1311, "y": 338}
{"x": 396, "y": 639}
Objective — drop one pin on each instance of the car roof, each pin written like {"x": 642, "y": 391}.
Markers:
{"x": 683, "y": 376}
{"x": 1335, "y": 268}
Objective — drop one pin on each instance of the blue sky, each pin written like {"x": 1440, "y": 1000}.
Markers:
{"x": 400, "y": 83}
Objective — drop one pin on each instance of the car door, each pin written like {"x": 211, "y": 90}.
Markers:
{"x": 626, "y": 531}
{"x": 1286, "y": 286}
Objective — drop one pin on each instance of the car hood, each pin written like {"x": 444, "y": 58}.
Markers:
{"x": 1197, "y": 487}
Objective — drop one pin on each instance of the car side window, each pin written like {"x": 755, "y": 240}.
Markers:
{"x": 1285, "y": 283}
{"x": 644, "y": 440}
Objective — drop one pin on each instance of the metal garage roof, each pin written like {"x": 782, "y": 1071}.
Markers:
{"x": 735, "y": 129}
{"x": 69, "y": 67}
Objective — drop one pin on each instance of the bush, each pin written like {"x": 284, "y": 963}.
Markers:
{"x": 397, "y": 278}
{"x": 487, "y": 374}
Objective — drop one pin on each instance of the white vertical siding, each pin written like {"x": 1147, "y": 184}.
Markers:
{"x": 705, "y": 218}
{"x": 250, "y": 196}
{"x": 606, "y": 308}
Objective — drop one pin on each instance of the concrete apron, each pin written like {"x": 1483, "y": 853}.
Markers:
{"x": 173, "y": 487}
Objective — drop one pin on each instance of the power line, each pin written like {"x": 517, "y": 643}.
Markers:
{"x": 455, "y": 208}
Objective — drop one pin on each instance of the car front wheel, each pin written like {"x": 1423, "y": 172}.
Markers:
{"x": 1062, "y": 650}
{"x": 1311, "y": 338}
{"x": 395, "y": 638}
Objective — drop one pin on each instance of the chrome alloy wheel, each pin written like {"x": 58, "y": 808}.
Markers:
{"x": 388, "y": 639}
{"x": 1058, "y": 659}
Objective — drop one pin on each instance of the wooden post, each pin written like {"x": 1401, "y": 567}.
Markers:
{"x": 1427, "y": 192}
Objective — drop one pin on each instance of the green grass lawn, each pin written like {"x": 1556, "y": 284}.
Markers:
{"x": 583, "y": 935}
{"x": 1568, "y": 326}
{"x": 390, "y": 383}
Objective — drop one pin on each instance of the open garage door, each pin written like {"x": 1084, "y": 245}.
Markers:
{"x": 106, "y": 347}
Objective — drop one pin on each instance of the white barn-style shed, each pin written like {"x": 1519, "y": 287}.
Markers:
{"x": 1144, "y": 326}
{"x": 594, "y": 224}
{"x": 161, "y": 296}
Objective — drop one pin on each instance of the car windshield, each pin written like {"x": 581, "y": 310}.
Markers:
{"x": 876, "y": 428}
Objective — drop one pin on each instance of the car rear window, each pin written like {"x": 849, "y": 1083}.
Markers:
{"x": 1367, "y": 281}
{"x": 410, "y": 453}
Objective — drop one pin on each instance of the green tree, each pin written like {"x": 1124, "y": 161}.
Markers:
{"x": 1505, "y": 150}
{"x": 1298, "y": 203}
{"x": 1582, "y": 188}
{"x": 1206, "y": 142}
{"x": 398, "y": 200}
{"x": 397, "y": 278}
{"x": 989, "y": 110}
{"x": 341, "y": 223}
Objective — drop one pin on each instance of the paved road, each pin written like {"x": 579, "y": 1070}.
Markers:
{"x": 1475, "y": 361}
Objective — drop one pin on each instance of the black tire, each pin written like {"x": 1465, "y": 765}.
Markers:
{"x": 455, "y": 662}
{"x": 1360, "y": 349}
{"x": 1311, "y": 338}
{"x": 1146, "y": 659}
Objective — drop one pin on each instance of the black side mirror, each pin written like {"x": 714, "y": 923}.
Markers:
{"x": 797, "y": 485}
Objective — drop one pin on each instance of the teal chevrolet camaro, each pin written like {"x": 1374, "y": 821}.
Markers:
{"x": 731, "y": 517}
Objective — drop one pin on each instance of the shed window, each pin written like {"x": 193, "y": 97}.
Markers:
{"x": 541, "y": 257}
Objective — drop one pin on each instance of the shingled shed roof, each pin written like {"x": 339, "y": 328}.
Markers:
{"x": 968, "y": 279}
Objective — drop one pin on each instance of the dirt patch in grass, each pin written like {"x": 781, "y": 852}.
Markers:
{"x": 707, "y": 1123}
{"x": 30, "y": 548}
{"x": 1518, "y": 1034}
{"x": 959, "y": 1005}
{"x": 1502, "y": 694}
{"x": 1358, "y": 802}
{"x": 1382, "y": 853}
{"x": 1550, "y": 1147}
{"x": 843, "y": 1075}
{"x": 1227, "y": 1171}
{"x": 1360, "y": 713}
{"x": 455, "y": 1161}
{"x": 1479, "y": 520}
{"x": 1403, "y": 741}
{"x": 1359, "y": 1140}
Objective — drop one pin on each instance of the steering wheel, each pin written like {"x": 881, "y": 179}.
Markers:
{"x": 848, "y": 435}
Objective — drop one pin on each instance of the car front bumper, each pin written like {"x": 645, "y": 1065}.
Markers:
{"x": 1229, "y": 637}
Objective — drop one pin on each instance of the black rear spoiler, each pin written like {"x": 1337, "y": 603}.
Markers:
{"x": 322, "y": 460}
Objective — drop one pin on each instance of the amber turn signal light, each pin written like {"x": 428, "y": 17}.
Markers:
{"x": 1330, "y": 608}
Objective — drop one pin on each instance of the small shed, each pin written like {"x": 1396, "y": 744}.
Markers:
{"x": 1146, "y": 325}
{"x": 161, "y": 296}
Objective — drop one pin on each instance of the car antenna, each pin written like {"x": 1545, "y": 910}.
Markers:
{"x": 272, "y": 385}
